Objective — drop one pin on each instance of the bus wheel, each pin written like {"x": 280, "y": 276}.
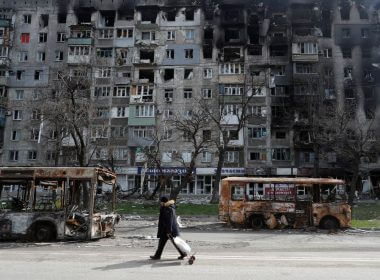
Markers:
{"x": 44, "y": 232}
{"x": 329, "y": 223}
{"x": 257, "y": 222}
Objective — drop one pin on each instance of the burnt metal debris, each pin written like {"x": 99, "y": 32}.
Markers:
{"x": 48, "y": 203}
{"x": 284, "y": 202}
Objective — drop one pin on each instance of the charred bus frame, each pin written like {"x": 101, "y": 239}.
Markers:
{"x": 284, "y": 202}
{"x": 47, "y": 203}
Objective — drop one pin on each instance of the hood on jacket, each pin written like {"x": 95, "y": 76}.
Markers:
{"x": 168, "y": 204}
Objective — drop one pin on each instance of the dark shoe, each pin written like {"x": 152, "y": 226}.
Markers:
{"x": 182, "y": 257}
{"x": 154, "y": 258}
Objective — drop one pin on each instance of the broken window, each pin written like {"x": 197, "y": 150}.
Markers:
{"x": 327, "y": 53}
{"x": 304, "y": 68}
{"x": 61, "y": 37}
{"x": 231, "y": 34}
{"x": 207, "y": 73}
{"x": 149, "y": 15}
{"x": 346, "y": 52}
{"x": 168, "y": 94}
{"x": 280, "y": 91}
{"x": 169, "y": 74}
{"x": 365, "y": 33}
{"x": 13, "y": 155}
{"x": 146, "y": 74}
{"x": 104, "y": 52}
{"x": 147, "y": 56}
{"x": 188, "y": 74}
{"x": 171, "y": 15}
{"x": 231, "y": 15}
{"x": 27, "y": 19}
{"x": 124, "y": 33}
{"x": 42, "y": 38}
{"x": 108, "y": 18}
{"x": 348, "y": 72}
{"x": 187, "y": 93}
{"x": 84, "y": 16}
{"x": 281, "y": 154}
{"x": 189, "y": 14}
{"x": 207, "y": 51}
{"x": 349, "y": 93}
{"x": 37, "y": 75}
{"x": 32, "y": 155}
{"x": 279, "y": 70}
{"x": 19, "y": 74}
{"x": 105, "y": 33}
{"x": 189, "y": 53}
{"x": 61, "y": 17}
{"x": 209, "y": 34}
{"x": 278, "y": 50}
{"x": 370, "y": 109}
{"x": 170, "y": 54}
{"x": 44, "y": 21}
{"x": 231, "y": 54}
{"x": 170, "y": 35}
{"x": 255, "y": 49}
{"x": 41, "y": 56}
{"x": 207, "y": 93}
{"x": 148, "y": 36}
{"x": 346, "y": 33}
{"x": 126, "y": 13}
{"x": 206, "y": 135}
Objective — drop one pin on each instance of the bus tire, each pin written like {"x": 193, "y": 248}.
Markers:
{"x": 257, "y": 222}
{"x": 329, "y": 222}
{"x": 44, "y": 231}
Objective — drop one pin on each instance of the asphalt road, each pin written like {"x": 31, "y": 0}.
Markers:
{"x": 221, "y": 254}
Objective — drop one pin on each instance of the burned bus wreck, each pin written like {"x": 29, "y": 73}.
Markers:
{"x": 284, "y": 202}
{"x": 57, "y": 203}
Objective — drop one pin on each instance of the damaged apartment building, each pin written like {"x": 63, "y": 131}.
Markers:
{"x": 150, "y": 59}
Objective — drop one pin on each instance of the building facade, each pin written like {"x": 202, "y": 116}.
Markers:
{"x": 149, "y": 60}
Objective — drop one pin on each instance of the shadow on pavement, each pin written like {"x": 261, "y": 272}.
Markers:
{"x": 139, "y": 263}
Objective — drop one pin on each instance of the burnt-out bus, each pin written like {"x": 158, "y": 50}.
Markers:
{"x": 57, "y": 203}
{"x": 284, "y": 202}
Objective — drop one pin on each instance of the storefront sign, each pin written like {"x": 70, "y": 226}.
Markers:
{"x": 225, "y": 171}
{"x": 164, "y": 171}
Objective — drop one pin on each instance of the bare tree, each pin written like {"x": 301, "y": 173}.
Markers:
{"x": 191, "y": 128}
{"x": 352, "y": 138}
{"x": 67, "y": 108}
{"x": 225, "y": 115}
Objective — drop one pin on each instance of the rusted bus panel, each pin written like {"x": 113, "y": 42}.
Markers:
{"x": 225, "y": 197}
{"x": 54, "y": 172}
{"x": 341, "y": 211}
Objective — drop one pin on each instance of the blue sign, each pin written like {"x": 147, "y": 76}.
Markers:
{"x": 163, "y": 171}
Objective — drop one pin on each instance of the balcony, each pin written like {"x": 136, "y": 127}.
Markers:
{"x": 80, "y": 41}
{"x": 79, "y": 59}
{"x": 296, "y": 57}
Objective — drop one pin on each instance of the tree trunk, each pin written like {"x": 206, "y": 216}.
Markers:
{"x": 355, "y": 177}
{"x": 218, "y": 176}
{"x": 316, "y": 160}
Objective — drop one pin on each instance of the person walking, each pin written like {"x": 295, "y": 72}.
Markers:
{"x": 167, "y": 227}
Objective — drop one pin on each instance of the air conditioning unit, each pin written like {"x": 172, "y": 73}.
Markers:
{"x": 168, "y": 99}
{"x": 8, "y": 113}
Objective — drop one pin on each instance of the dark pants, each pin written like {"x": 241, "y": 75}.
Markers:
{"x": 161, "y": 245}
